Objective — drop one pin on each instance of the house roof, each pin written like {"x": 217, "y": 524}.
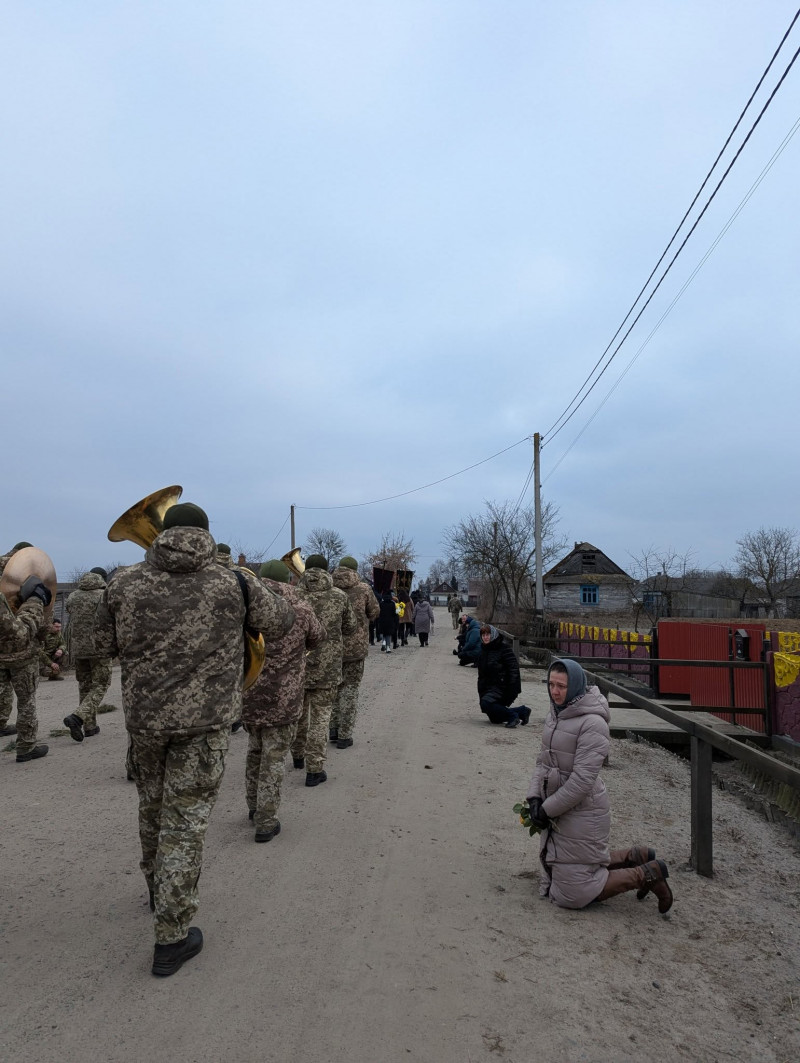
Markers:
{"x": 585, "y": 560}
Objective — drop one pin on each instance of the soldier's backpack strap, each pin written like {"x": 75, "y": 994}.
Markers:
{"x": 253, "y": 632}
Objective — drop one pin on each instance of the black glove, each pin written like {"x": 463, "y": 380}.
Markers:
{"x": 34, "y": 588}
{"x": 538, "y": 818}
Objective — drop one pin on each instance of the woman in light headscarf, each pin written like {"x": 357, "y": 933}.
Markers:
{"x": 568, "y": 801}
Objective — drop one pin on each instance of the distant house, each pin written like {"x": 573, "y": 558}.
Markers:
{"x": 702, "y": 596}
{"x": 587, "y": 583}
{"x": 440, "y": 593}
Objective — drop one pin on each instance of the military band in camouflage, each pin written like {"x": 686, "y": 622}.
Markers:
{"x": 264, "y": 770}
{"x": 311, "y": 739}
{"x": 94, "y": 679}
{"x": 178, "y": 779}
{"x": 345, "y": 705}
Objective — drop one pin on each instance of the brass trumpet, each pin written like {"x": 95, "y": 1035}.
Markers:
{"x": 141, "y": 524}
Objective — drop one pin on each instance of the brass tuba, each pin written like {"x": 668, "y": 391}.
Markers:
{"x": 294, "y": 562}
{"x": 29, "y": 561}
{"x": 141, "y": 524}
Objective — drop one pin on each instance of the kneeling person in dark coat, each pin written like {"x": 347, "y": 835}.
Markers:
{"x": 498, "y": 680}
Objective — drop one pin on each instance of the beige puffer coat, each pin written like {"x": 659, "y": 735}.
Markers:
{"x": 574, "y": 853}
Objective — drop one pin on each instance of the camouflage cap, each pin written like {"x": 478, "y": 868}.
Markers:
{"x": 20, "y": 546}
{"x": 349, "y": 562}
{"x": 223, "y": 548}
{"x": 99, "y": 572}
{"x": 275, "y": 570}
{"x": 185, "y": 515}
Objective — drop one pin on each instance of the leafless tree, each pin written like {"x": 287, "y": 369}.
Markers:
{"x": 659, "y": 572}
{"x": 445, "y": 570}
{"x": 327, "y": 542}
{"x": 394, "y": 552}
{"x": 770, "y": 557}
{"x": 498, "y": 546}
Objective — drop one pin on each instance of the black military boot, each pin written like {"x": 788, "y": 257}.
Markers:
{"x": 344, "y": 743}
{"x": 268, "y": 835}
{"x": 167, "y": 959}
{"x": 75, "y": 725}
{"x": 35, "y": 753}
{"x": 8, "y": 730}
{"x": 314, "y": 778}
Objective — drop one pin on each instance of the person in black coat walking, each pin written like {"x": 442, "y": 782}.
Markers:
{"x": 388, "y": 623}
{"x": 498, "y": 680}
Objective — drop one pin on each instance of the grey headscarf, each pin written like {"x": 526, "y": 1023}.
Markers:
{"x": 576, "y": 682}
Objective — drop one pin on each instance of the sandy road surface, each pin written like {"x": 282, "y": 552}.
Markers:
{"x": 396, "y": 917}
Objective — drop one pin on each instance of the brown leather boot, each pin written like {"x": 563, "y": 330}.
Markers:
{"x": 620, "y": 881}
{"x": 655, "y": 881}
{"x": 644, "y": 879}
{"x": 633, "y": 857}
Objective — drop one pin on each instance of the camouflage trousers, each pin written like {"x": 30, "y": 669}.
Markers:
{"x": 311, "y": 739}
{"x": 20, "y": 679}
{"x": 94, "y": 679}
{"x": 264, "y": 770}
{"x": 345, "y": 705}
{"x": 178, "y": 780}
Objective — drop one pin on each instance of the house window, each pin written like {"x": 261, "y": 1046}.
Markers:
{"x": 589, "y": 594}
{"x": 652, "y": 601}
{"x": 589, "y": 560}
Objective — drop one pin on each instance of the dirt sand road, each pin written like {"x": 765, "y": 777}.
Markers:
{"x": 396, "y": 917}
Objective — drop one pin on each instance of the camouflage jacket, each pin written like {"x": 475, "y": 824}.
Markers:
{"x": 332, "y": 608}
{"x": 176, "y": 622}
{"x": 225, "y": 560}
{"x": 276, "y": 697}
{"x": 51, "y": 641}
{"x": 366, "y": 608}
{"x": 18, "y": 641}
{"x": 4, "y": 561}
{"x": 82, "y": 606}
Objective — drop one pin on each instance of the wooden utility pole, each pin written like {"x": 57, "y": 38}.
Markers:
{"x": 291, "y": 513}
{"x": 537, "y": 530}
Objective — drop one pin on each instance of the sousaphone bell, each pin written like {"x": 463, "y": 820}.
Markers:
{"x": 29, "y": 561}
{"x": 141, "y": 524}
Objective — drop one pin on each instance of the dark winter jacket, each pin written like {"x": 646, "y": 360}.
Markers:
{"x": 388, "y": 617}
{"x": 471, "y": 650}
{"x": 498, "y": 670}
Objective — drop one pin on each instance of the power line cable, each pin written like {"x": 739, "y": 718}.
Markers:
{"x": 699, "y": 218}
{"x": 777, "y": 154}
{"x": 683, "y": 219}
{"x": 424, "y": 487}
{"x": 277, "y": 534}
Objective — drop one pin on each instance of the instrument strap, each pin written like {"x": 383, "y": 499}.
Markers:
{"x": 251, "y": 631}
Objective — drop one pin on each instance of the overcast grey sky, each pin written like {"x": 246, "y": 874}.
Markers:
{"x": 323, "y": 252}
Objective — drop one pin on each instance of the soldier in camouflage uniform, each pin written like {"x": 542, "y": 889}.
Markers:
{"x": 176, "y": 621}
{"x": 354, "y": 651}
{"x": 92, "y": 669}
{"x": 51, "y": 655}
{"x": 323, "y": 667}
{"x": 19, "y": 650}
{"x": 273, "y": 704}
{"x": 6, "y": 689}
{"x": 224, "y": 555}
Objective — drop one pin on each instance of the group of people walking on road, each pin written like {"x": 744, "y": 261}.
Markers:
{"x": 179, "y": 622}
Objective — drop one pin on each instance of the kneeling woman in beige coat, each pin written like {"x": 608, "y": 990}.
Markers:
{"x": 568, "y": 800}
